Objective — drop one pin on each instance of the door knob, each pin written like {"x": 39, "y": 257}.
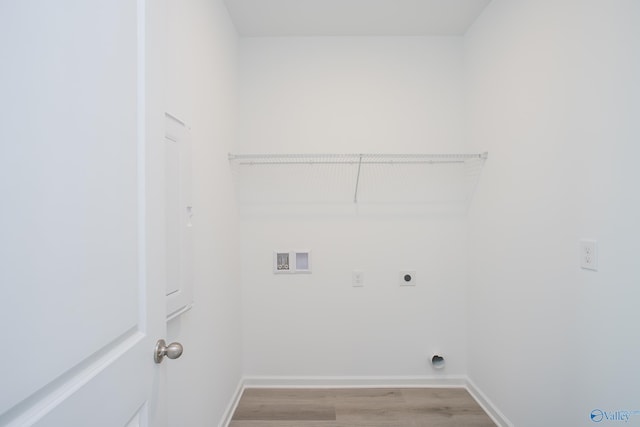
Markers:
{"x": 172, "y": 351}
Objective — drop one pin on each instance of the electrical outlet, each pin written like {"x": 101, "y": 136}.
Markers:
{"x": 589, "y": 254}
{"x": 407, "y": 278}
{"x": 357, "y": 279}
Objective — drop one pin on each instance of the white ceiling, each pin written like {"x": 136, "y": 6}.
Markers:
{"x": 263, "y": 18}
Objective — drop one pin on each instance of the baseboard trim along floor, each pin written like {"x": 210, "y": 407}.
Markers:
{"x": 233, "y": 404}
{"x": 486, "y": 404}
{"x": 365, "y": 382}
{"x": 355, "y": 382}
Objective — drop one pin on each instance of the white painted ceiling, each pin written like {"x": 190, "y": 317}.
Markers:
{"x": 264, "y": 18}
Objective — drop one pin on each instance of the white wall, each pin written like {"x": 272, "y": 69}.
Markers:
{"x": 202, "y": 91}
{"x": 393, "y": 95}
{"x": 554, "y": 95}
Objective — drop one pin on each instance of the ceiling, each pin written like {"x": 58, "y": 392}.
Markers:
{"x": 265, "y": 18}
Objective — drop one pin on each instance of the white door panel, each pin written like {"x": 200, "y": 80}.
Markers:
{"x": 99, "y": 399}
{"x": 77, "y": 163}
{"x": 179, "y": 216}
{"x": 172, "y": 185}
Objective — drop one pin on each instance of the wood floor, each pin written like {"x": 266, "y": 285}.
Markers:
{"x": 406, "y": 407}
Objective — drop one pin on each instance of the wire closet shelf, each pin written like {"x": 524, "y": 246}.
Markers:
{"x": 283, "y": 159}
{"x": 355, "y": 159}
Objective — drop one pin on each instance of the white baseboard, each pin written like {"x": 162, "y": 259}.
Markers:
{"x": 233, "y": 404}
{"x": 355, "y": 382}
{"x": 488, "y": 406}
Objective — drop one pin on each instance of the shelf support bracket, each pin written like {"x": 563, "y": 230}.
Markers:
{"x": 355, "y": 194}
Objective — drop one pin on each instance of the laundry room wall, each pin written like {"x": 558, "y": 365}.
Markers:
{"x": 553, "y": 94}
{"x": 352, "y": 95}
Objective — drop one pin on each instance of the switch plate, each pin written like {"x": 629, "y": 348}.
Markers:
{"x": 589, "y": 254}
{"x": 357, "y": 279}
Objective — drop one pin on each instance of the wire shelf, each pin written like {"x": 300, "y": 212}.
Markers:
{"x": 358, "y": 164}
{"x": 284, "y": 159}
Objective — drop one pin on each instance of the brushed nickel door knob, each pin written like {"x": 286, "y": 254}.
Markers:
{"x": 172, "y": 351}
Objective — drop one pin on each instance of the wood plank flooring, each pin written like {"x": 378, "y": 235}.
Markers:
{"x": 406, "y": 407}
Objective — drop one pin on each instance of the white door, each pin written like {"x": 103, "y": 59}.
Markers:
{"x": 81, "y": 213}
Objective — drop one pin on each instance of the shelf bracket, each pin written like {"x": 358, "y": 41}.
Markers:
{"x": 355, "y": 194}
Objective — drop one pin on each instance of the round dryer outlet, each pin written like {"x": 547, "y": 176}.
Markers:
{"x": 408, "y": 278}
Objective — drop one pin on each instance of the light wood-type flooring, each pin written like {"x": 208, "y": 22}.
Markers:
{"x": 405, "y": 407}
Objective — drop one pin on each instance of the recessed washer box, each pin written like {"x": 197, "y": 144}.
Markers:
{"x": 281, "y": 262}
{"x": 291, "y": 262}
